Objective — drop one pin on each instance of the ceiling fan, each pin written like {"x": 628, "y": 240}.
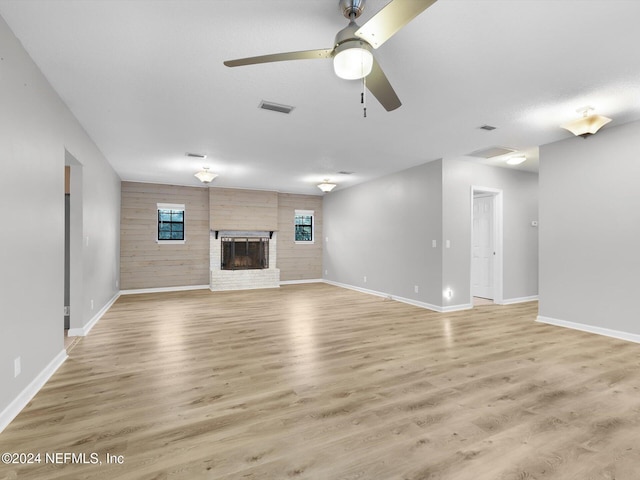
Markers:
{"x": 352, "y": 50}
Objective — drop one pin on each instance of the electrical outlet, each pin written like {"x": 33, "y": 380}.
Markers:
{"x": 365, "y": 279}
{"x": 117, "y": 283}
{"x": 326, "y": 272}
{"x": 434, "y": 243}
{"x": 92, "y": 304}
{"x": 415, "y": 288}
{"x": 17, "y": 367}
{"x": 67, "y": 310}
{"x": 448, "y": 244}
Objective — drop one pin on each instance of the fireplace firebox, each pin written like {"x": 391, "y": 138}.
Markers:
{"x": 245, "y": 253}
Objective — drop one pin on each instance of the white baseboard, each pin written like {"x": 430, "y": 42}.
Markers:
{"x": 297, "y": 282}
{"x": 511, "y": 301}
{"x": 24, "y": 397}
{"x": 163, "y": 289}
{"x": 416, "y": 303}
{"x": 84, "y": 331}
{"x": 358, "y": 289}
{"x": 456, "y": 308}
{"x": 629, "y": 337}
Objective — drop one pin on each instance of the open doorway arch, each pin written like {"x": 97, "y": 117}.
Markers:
{"x": 486, "y": 272}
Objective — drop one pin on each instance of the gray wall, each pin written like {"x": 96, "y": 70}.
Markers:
{"x": 456, "y": 228}
{"x": 383, "y": 230}
{"x": 520, "y": 239}
{"x": 36, "y": 127}
{"x": 590, "y": 229}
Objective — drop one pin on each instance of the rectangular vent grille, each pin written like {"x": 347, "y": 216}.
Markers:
{"x": 275, "y": 107}
{"x": 491, "y": 152}
{"x": 487, "y": 127}
{"x": 195, "y": 155}
{"x": 343, "y": 172}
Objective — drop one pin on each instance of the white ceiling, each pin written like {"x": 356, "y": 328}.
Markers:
{"x": 146, "y": 80}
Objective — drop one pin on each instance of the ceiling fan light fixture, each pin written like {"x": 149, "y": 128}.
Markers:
{"x": 353, "y": 60}
{"x": 587, "y": 125}
{"x": 205, "y": 176}
{"x": 325, "y": 186}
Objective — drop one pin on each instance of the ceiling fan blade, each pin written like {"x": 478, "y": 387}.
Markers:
{"x": 280, "y": 57}
{"x": 380, "y": 87}
{"x": 386, "y": 23}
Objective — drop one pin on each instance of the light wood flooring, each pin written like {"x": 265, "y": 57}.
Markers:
{"x": 317, "y": 382}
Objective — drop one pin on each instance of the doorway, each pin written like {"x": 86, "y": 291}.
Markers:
{"x": 486, "y": 246}
{"x": 73, "y": 290}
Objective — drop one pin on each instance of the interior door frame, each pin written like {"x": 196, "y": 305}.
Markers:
{"x": 497, "y": 242}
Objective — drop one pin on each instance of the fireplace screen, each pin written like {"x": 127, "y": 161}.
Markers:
{"x": 245, "y": 253}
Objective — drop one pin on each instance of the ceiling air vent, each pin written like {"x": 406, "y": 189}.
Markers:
{"x": 487, "y": 128}
{"x": 275, "y": 107}
{"x": 491, "y": 152}
{"x": 343, "y": 172}
{"x": 195, "y": 155}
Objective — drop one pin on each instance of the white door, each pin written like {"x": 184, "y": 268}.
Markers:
{"x": 483, "y": 247}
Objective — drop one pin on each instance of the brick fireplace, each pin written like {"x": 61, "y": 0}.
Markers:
{"x": 237, "y": 262}
{"x": 246, "y": 218}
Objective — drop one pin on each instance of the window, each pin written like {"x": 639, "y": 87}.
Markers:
{"x": 303, "y": 226}
{"x": 170, "y": 223}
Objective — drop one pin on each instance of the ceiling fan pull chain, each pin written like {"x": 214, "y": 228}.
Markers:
{"x": 363, "y": 98}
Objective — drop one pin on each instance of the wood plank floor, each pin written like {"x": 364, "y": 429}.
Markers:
{"x": 317, "y": 382}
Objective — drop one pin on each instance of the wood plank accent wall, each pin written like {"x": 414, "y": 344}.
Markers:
{"x": 235, "y": 209}
{"x": 146, "y": 264}
{"x": 297, "y": 261}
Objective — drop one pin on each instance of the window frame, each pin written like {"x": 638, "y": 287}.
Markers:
{"x": 170, "y": 206}
{"x": 305, "y": 213}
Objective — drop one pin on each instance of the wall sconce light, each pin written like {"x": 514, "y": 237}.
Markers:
{"x": 587, "y": 125}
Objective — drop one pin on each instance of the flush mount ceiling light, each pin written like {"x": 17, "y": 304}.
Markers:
{"x": 516, "y": 160}
{"x": 205, "y": 176}
{"x": 587, "y": 125}
{"x": 325, "y": 186}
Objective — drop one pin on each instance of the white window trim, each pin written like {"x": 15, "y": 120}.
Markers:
{"x": 312, "y": 214}
{"x": 170, "y": 206}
